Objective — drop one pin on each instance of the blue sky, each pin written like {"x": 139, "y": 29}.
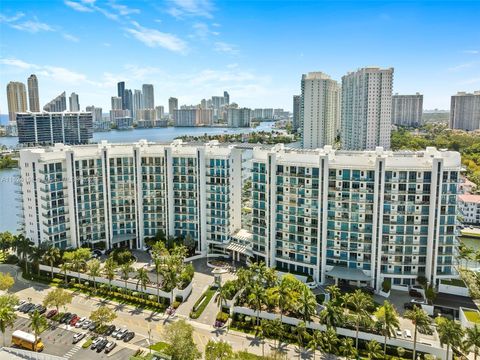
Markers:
{"x": 257, "y": 50}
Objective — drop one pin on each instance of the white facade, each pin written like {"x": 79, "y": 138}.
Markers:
{"x": 366, "y": 116}
{"x": 148, "y": 97}
{"x": 16, "y": 98}
{"x": 74, "y": 102}
{"x": 33, "y": 97}
{"x": 469, "y": 206}
{"x": 465, "y": 111}
{"x": 239, "y": 117}
{"x": 122, "y": 193}
{"x": 407, "y": 110}
{"x": 319, "y": 110}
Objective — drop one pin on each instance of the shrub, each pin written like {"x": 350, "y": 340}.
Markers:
{"x": 87, "y": 343}
{"x": 11, "y": 259}
{"x": 222, "y": 316}
{"x": 202, "y": 303}
{"x": 386, "y": 285}
{"x": 176, "y": 304}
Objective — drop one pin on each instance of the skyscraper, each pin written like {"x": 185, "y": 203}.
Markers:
{"x": 407, "y": 110}
{"x": 58, "y": 104}
{"x": 116, "y": 103}
{"x": 121, "y": 92}
{"x": 159, "y": 112}
{"x": 128, "y": 100}
{"x": 148, "y": 98}
{"x": 366, "y": 117}
{"x": 74, "y": 103}
{"x": 239, "y": 117}
{"x": 226, "y": 96}
{"x": 172, "y": 106}
{"x": 465, "y": 111}
{"x": 16, "y": 98}
{"x": 33, "y": 97}
{"x": 297, "y": 101}
{"x": 319, "y": 110}
{"x": 137, "y": 103}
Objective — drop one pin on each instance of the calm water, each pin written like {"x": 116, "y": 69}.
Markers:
{"x": 8, "y": 178}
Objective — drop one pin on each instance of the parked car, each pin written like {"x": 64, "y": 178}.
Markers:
{"x": 92, "y": 326}
{"x": 408, "y": 334}
{"x": 114, "y": 332}
{"x": 128, "y": 336}
{"x": 35, "y": 308}
{"x": 96, "y": 342}
{"x": 121, "y": 334}
{"x": 110, "y": 346}
{"x": 110, "y": 330}
{"x": 63, "y": 319}
{"x": 414, "y": 293}
{"x": 399, "y": 333}
{"x": 80, "y": 321}
{"x": 70, "y": 318}
{"x": 86, "y": 324}
{"x": 41, "y": 309}
{"x": 74, "y": 320}
{"x": 77, "y": 337}
{"x": 101, "y": 345}
{"x": 25, "y": 308}
{"x": 51, "y": 313}
{"x": 19, "y": 305}
{"x": 418, "y": 301}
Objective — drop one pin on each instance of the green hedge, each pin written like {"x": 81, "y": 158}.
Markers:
{"x": 202, "y": 303}
{"x": 222, "y": 316}
{"x": 87, "y": 343}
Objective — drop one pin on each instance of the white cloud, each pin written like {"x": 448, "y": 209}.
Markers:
{"x": 197, "y": 8}
{"x": 471, "y": 81}
{"x": 224, "y": 47}
{"x": 154, "y": 38}
{"x": 32, "y": 26}
{"x": 123, "y": 9}
{"x": 17, "y": 63}
{"x": 77, "y": 6}
{"x": 473, "y": 52}
{"x": 464, "y": 66}
{"x": 70, "y": 37}
{"x": 202, "y": 31}
{"x": 8, "y": 19}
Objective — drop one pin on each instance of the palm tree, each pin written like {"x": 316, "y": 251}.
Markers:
{"x": 374, "y": 350}
{"x": 284, "y": 295}
{"x": 331, "y": 315}
{"x": 64, "y": 268}
{"x": 315, "y": 341}
{"x": 301, "y": 332}
{"x": 221, "y": 296}
{"x": 388, "y": 318}
{"x": 93, "y": 269}
{"x": 272, "y": 329}
{"x": 77, "y": 262}
{"x": 473, "y": 340}
{"x": 23, "y": 247}
{"x": 142, "y": 279}
{"x": 419, "y": 318}
{"x": 450, "y": 333}
{"x": 335, "y": 293}
{"x": 347, "y": 349}
{"x": 159, "y": 252}
{"x": 51, "y": 256}
{"x": 360, "y": 303}
{"x": 38, "y": 324}
{"x": 329, "y": 341}
{"x": 125, "y": 270}
{"x": 109, "y": 270}
{"x": 35, "y": 256}
{"x": 307, "y": 304}
{"x": 7, "y": 312}
{"x": 256, "y": 299}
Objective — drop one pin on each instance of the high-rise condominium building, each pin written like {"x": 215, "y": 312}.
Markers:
{"x": 33, "y": 97}
{"x": 257, "y": 114}
{"x": 172, "y": 106}
{"x": 239, "y": 117}
{"x": 366, "y": 117}
{"x": 74, "y": 102}
{"x": 119, "y": 194}
{"x": 268, "y": 114}
{"x": 148, "y": 98}
{"x": 48, "y": 128}
{"x": 357, "y": 216}
{"x": 220, "y": 101}
{"x": 226, "y": 96}
{"x": 407, "y": 110}
{"x": 58, "y": 104}
{"x": 137, "y": 103}
{"x": 319, "y": 110}
{"x": 159, "y": 112}
{"x": 117, "y": 103}
{"x": 129, "y": 100}
{"x": 121, "y": 92}
{"x": 16, "y": 98}
{"x": 97, "y": 114}
{"x": 185, "y": 117}
{"x": 297, "y": 101}
{"x": 465, "y": 111}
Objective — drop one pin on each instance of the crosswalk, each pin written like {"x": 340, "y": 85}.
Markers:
{"x": 72, "y": 351}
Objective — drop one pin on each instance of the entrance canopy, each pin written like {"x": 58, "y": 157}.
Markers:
{"x": 122, "y": 237}
{"x": 344, "y": 273}
{"x": 242, "y": 249}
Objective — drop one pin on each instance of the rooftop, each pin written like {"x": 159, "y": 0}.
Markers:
{"x": 469, "y": 198}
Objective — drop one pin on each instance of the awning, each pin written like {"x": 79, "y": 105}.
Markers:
{"x": 242, "y": 249}
{"x": 341, "y": 272}
{"x": 122, "y": 237}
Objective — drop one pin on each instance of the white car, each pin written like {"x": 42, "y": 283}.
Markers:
{"x": 16, "y": 307}
{"x": 80, "y": 321}
{"x": 399, "y": 333}
{"x": 408, "y": 334}
{"x": 115, "y": 332}
{"x": 86, "y": 324}
{"x": 121, "y": 333}
{"x": 77, "y": 337}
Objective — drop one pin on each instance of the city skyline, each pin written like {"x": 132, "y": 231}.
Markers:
{"x": 235, "y": 53}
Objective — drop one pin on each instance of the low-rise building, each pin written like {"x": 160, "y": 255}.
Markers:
{"x": 469, "y": 206}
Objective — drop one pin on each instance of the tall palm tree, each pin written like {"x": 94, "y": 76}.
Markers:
{"x": 159, "y": 253}
{"x": 256, "y": 299}
{"x": 77, "y": 263}
{"x": 284, "y": 295}
{"x": 388, "y": 318}
{"x": 94, "y": 270}
{"x": 347, "y": 349}
{"x": 23, "y": 247}
{"x": 450, "y": 333}
{"x": 360, "y": 303}
{"x": 7, "y": 312}
{"x": 109, "y": 270}
{"x": 125, "y": 270}
{"x": 221, "y": 296}
{"x": 38, "y": 324}
{"x": 142, "y": 279}
{"x": 51, "y": 256}
{"x": 307, "y": 304}
{"x": 331, "y": 315}
{"x": 315, "y": 341}
{"x": 419, "y": 319}
{"x": 273, "y": 329}
{"x": 473, "y": 340}
{"x": 301, "y": 332}
{"x": 374, "y": 350}
{"x": 64, "y": 267}
{"x": 335, "y": 293}
{"x": 35, "y": 256}
{"x": 329, "y": 341}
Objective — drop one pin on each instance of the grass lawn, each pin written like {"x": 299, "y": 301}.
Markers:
{"x": 454, "y": 282}
{"x": 202, "y": 303}
{"x": 160, "y": 346}
{"x": 472, "y": 316}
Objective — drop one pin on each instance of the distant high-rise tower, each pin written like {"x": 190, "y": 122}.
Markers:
{"x": 148, "y": 99}
{"x": 137, "y": 103}
{"x": 128, "y": 100}
{"x": 465, "y": 111}
{"x": 121, "y": 92}
{"x": 33, "y": 98}
{"x": 16, "y": 98}
{"x": 58, "y": 104}
{"x": 319, "y": 110}
{"x": 226, "y": 95}
{"x": 366, "y": 118}
{"x": 116, "y": 103}
{"x": 407, "y": 110}
{"x": 73, "y": 102}
{"x": 297, "y": 101}
{"x": 172, "y": 106}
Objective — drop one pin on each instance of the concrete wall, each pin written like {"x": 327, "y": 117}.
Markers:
{"x": 451, "y": 289}
{"x": 463, "y": 319}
